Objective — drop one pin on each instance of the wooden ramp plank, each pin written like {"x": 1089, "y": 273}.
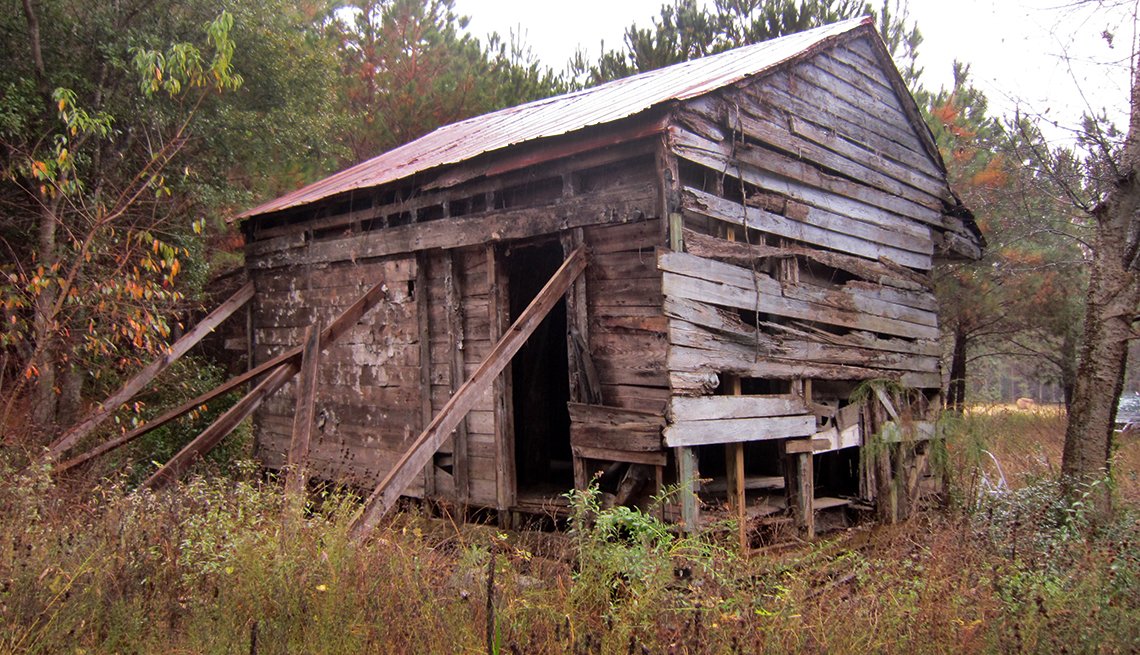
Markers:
{"x": 384, "y": 497}
{"x": 151, "y": 371}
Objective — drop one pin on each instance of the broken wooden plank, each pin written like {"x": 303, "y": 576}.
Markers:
{"x": 139, "y": 380}
{"x": 811, "y": 445}
{"x": 706, "y": 280}
{"x": 695, "y": 202}
{"x": 743, "y": 254}
{"x": 384, "y": 497}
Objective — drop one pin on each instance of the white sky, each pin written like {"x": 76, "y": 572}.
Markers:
{"x": 1015, "y": 48}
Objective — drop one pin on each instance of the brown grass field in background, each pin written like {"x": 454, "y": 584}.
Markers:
{"x": 220, "y": 565}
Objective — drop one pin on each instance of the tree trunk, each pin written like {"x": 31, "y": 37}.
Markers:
{"x": 1114, "y": 292}
{"x": 1069, "y": 368}
{"x": 956, "y": 391}
{"x": 46, "y": 355}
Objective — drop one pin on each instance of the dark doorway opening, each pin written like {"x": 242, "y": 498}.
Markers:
{"x": 540, "y": 378}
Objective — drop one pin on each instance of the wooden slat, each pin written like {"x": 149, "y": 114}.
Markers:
{"x": 615, "y": 428}
{"x": 712, "y": 408}
{"x": 384, "y": 497}
{"x": 706, "y": 280}
{"x": 139, "y": 380}
{"x": 423, "y": 325}
{"x": 699, "y": 203}
{"x": 742, "y": 254}
{"x": 453, "y": 300}
{"x": 700, "y": 433}
{"x": 825, "y": 200}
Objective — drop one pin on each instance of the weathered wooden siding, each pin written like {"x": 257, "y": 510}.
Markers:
{"x": 460, "y": 319}
{"x": 367, "y": 400}
{"x": 843, "y": 211}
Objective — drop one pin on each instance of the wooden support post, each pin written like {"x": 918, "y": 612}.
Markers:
{"x": 384, "y": 497}
{"x": 423, "y": 324}
{"x": 298, "y": 459}
{"x": 582, "y": 377}
{"x": 453, "y": 310}
{"x": 151, "y": 371}
{"x": 734, "y": 473}
{"x": 225, "y": 424}
{"x": 799, "y": 487}
{"x": 499, "y": 317}
{"x": 687, "y": 472}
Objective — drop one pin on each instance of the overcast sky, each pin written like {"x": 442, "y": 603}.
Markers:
{"x": 1016, "y": 48}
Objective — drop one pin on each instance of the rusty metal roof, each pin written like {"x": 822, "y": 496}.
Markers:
{"x": 563, "y": 114}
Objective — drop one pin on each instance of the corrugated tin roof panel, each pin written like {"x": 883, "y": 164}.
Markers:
{"x": 560, "y": 115}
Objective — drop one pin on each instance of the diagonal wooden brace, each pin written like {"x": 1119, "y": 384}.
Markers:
{"x": 151, "y": 371}
{"x": 226, "y": 423}
{"x": 409, "y": 466}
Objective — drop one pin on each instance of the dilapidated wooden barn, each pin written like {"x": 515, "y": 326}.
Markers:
{"x": 715, "y": 274}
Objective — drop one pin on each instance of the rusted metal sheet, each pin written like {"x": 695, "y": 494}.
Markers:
{"x": 564, "y": 114}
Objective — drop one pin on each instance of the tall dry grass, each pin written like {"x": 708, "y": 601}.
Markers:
{"x": 221, "y": 565}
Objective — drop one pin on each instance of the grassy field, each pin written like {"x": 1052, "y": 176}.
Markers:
{"x": 220, "y": 565}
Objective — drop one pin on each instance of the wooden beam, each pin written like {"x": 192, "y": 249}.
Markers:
{"x": 734, "y": 430}
{"x": 225, "y": 424}
{"x": 185, "y": 407}
{"x": 298, "y": 457}
{"x": 384, "y": 497}
{"x": 221, "y": 427}
{"x": 151, "y": 371}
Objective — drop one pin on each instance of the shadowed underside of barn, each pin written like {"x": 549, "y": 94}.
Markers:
{"x": 714, "y": 275}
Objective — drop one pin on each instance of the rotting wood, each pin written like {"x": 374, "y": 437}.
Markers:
{"x": 833, "y": 202}
{"x": 654, "y": 458}
{"x": 225, "y": 424}
{"x": 706, "y": 280}
{"x": 499, "y": 318}
{"x": 615, "y": 428}
{"x": 384, "y": 497}
{"x": 297, "y": 462}
{"x": 799, "y": 487}
{"x": 700, "y": 203}
{"x": 703, "y": 245}
{"x": 734, "y": 475}
{"x": 453, "y": 298}
{"x": 610, "y": 206}
{"x": 139, "y": 380}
